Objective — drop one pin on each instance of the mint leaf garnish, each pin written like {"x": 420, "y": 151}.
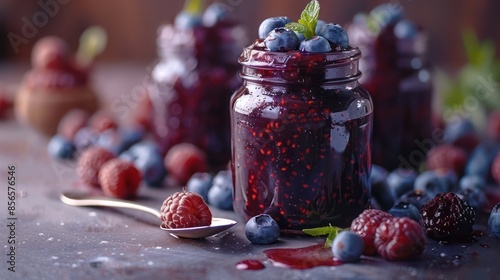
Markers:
{"x": 93, "y": 41}
{"x": 194, "y": 7}
{"x": 308, "y": 20}
{"x": 330, "y": 231}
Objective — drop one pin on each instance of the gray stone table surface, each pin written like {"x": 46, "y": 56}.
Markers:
{"x": 57, "y": 241}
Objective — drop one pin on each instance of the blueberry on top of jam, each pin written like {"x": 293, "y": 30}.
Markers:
{"x": 313, "y": 35}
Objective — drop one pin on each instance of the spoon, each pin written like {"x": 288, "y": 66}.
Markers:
{"x": 81, "y": 199}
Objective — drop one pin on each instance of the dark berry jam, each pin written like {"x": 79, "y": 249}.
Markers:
{"x": 301, "y": 138}
{"x": 192, "y": 84}
{"x": 396, "y": 74}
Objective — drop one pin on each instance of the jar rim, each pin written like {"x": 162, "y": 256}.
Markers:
{"x": 258, "y": 57}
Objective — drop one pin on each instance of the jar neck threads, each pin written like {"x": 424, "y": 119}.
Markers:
{"x": 299, "y": 67}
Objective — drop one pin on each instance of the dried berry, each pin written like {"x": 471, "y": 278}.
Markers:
{"x": 447, "y": 217}
{"x": 185, "y": 209}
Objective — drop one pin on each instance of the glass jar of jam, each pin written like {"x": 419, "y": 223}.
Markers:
{"x": 397, "y": 75}
{"x": 301, "y": 129}
{"x": 191, "y": 85}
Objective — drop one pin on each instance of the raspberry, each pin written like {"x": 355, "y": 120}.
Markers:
{"x": 102, "y": 121}
{"x": 185, "y": 209}
{"x": 446, "y": 157}
{"x": 400, "y": 239}
{"x": 72, "y": 121}
{"x": 119, "y": 178}
{"x": 493, "y": 128}
{"x": 90, "y": 162}
{"x": 183, "y": 160}
{"x": 365, "y": 226}
{"x": 447, "y": 217}
{"x": 5, "y": 104}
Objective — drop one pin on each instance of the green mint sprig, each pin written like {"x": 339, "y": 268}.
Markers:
{"x": 194, "y": 7}
{"x": 93, "y": 41}
{"x": 307, "y": 21}
{"x": 330, "y": 231}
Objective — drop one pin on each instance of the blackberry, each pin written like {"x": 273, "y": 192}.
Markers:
{"x": 447, "y": 217}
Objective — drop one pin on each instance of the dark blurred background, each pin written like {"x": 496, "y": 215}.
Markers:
{"x": 132, "y": 24}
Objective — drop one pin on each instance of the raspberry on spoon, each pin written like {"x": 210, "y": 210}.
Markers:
{"x": 185, "y": 209}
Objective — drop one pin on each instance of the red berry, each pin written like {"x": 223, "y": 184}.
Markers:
{"x": 141, "y": 116}
{"x": 50, "y": 52}
{"x": 365, "y": 226}
{"x": 493, "y": 128}
{"x": 102, "y": 121}
{"x": 90, "y": 162}
{"x": 447, "y": 217}
{"x": 72, "y": 121}
{"x": 447, "y": 157}
{"x": 399, "y": 239}
{"x": 183, "y": 160}
{"x": 495, "y": 168}
{"x": 5, "y": 104}
{"x": 185, "y": 209}
{"x": 119, "y": 178}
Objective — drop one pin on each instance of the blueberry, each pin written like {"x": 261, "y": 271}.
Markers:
{"x": 458, "y": 128}
{"x": 431, "y": 182}
{"x": 316, "y": 44}
{"x": 300, "y": 36}
{"x": 119, "y": 140}
{"x": 348, "y": 246}
{"x": 405, "y": 29}
{"x": 214, "y": 13}
{"x": 335, "y": 34}
{"x": 185, "y": 20}
{"x": 282, "y": 39}
{"x": 262, "y": 230}
{"x": 472, "y": 182}
{"x": 450, "y": 179}
{"x": 270, "y": 24}
{"x": 480, "y": 161}
{"x": 200, "y": 183}
{"x": 147, "y": 159}
{"x": 85, "y": 137}
{"x": 319, "y": 24}
{"x": 61, "y": 148}
{"x": 494, "y": 221}
{"x": 220, "y": 195}
{"x": 387, "y": 13}
{"x": 405, "y": 209}
{"x": 474, "y": 197}
{"x": 416, "y": 197}
{"x": 380, "y": 192}
{"x": 401, "y": 181}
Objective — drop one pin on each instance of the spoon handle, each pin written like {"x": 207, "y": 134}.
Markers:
{"x": 76, "y": 199}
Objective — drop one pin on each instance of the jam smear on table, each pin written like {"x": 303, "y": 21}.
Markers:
{"x": 302, "y": 258}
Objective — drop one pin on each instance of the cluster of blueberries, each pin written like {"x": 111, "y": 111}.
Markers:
{"x": 277, "y": 37}
{"x": 403, "y": 191}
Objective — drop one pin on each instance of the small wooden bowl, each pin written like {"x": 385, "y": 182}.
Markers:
{"x": 42, "y": 109}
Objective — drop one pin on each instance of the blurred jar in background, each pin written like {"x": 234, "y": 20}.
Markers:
{"x": 193, "y": 80}
{"x": 396, "y": 73}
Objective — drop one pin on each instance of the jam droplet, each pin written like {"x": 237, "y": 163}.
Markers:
{"x": 250, "y": 265}
{"x": 302, "y": 258}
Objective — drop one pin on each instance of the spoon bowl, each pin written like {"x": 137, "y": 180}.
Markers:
{"x": 218, "y": 225}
